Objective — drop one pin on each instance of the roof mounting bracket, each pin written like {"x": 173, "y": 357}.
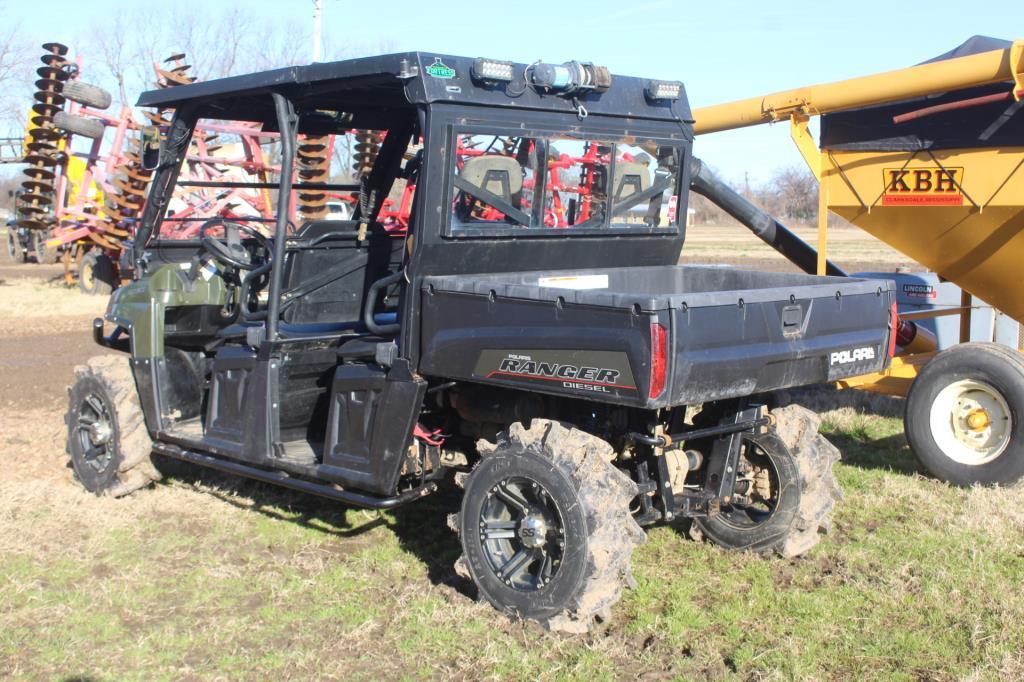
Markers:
{"x": 1017, "y": 68}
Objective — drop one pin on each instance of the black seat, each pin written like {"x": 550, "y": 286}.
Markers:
{"x": 361, "y": 347}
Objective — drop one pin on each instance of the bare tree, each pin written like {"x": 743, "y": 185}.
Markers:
{"x": 112, "y": 37}
{"x": 15, "y": 72}
{"x": 796, "y": 192}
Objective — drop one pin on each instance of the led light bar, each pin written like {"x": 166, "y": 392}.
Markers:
{"x": 491, "y": 70}
{"x": 663, "y": 89}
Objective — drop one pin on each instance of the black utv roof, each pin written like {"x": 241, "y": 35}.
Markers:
{"x": 398, "y": 81}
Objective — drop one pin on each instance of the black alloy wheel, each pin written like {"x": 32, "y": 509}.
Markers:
{"x": 522, "y": 533}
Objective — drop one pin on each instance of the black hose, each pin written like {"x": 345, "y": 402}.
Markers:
{"x": 768, "y": 229}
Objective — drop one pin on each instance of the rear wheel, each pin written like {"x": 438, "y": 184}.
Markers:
{"x": 44, "y": 254}
{"x": 785, "y": 490}
{"x": 13, "y": 247}
{"x": 545, "y": 526}
{"x": 108, "y": 444}
{"x": 965, "y": 415}
{"x": 96, "y": 274}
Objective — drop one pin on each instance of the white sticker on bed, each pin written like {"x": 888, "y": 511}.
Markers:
{"x": 575, "y": 282}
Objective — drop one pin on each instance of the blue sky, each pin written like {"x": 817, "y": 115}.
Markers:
{"x": 721, "y": 49}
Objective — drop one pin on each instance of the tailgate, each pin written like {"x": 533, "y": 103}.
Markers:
{"x": 737, "y": 343}
{"x": 653, "y": 337}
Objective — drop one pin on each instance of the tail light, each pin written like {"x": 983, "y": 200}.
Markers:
{"x": 659, "y": 359}
{"x": 894, "y": 328}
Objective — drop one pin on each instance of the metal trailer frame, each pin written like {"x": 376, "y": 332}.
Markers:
{"x": 798, "y": 106}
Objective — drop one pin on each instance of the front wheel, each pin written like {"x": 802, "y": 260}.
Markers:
{"x": 785, "y": 490}
{"x": 545, "y": 526}
{"x": 108, "y": 444}
{"x": 965, "y": 415}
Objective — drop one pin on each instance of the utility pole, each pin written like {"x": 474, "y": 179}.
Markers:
{"x": 318, "y": 10}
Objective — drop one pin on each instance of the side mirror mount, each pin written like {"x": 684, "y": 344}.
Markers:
{"x": 150, "y": 148}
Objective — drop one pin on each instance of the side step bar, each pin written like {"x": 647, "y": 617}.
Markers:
{"x": 282, "y": 479}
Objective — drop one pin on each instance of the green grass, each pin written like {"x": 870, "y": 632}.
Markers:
{"x": 207, "y": 578}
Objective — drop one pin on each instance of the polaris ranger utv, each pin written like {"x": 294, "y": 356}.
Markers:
{"x": 528, "y": 336}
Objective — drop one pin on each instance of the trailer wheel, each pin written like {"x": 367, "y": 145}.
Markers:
{"x": 545, "y": 526}
{"x": 785, "y": 490}
{"x": 964, "y": 415}
{"x": 78, "y": 125}
{"x": 89, "y": 95}
{"x": 96, "y": 274}
{"x": 107, "y": 443}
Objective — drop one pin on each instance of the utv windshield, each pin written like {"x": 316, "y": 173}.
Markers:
{"x": 586, "y": 184}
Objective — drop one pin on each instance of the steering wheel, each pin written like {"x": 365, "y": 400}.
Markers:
{"x": 230, "y": 250}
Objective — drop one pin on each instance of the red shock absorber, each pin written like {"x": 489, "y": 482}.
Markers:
{"x": 910, "y": 336}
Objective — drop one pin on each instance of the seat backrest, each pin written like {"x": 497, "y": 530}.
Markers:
{"x": 330, "y": 280}
{"x": 630, "y": 178}
{"x": 315, "y": 229}
{"x": 500, "y": 175}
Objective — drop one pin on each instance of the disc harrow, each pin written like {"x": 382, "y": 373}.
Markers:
{"x": 43, "y": 149}
{"x": 367, "y": 145}
{"x": 92, "y": 160}
{"x": 313, "y": 166}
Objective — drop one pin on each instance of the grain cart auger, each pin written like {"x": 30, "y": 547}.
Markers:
{"x": 523, "y": 330}
{"x": 929, "y": 159}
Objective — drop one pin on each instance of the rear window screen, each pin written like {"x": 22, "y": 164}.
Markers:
{"x": 505, "y": 182}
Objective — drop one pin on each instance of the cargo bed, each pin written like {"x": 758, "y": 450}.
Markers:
{"x": 712, "y": 332}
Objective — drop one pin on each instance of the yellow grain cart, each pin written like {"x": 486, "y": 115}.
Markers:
{"x": 930, "y": 159}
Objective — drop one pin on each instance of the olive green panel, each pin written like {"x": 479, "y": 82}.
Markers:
{"x": 139, "y": 307}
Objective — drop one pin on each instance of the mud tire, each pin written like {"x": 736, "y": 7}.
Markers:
{"x": 109, "y": 379}
{"x": 593, "y": 498}
{"x": 808, "y": 491}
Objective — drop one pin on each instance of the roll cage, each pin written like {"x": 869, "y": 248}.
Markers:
{"x": 397, "y": 94}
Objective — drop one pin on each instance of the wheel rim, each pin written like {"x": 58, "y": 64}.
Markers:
{"x": 522, "y": 533}
{"x": 94, "y": 430}
{"x": 757, "y": 490}
{"x": 970, "y": 422}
